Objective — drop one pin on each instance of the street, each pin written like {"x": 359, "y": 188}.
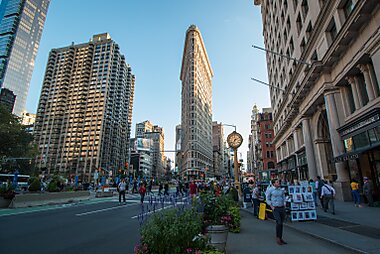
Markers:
{"x": 88, "y": 227}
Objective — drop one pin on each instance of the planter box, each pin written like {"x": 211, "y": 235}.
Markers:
{"x": 4, "y": 203}
{"x": 218, "y": 236}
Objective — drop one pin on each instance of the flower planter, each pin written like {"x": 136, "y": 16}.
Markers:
{"x": 4, "y": 203}
{"x": 218, "y": 236}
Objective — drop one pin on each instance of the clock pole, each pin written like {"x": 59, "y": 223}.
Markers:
{"x": 236, "y": 172}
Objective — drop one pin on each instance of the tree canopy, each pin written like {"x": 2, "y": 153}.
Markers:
{"x": 14, "y": 140}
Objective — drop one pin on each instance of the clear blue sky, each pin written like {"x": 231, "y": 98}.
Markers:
{"x": 151, "y": 35}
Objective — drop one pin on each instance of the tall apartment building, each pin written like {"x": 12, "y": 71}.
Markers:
{"x": 84, "y": 113}
{"x": 217, "y": 169}
{"x": 21, "y": 25}
{"x": 196, "y": 119}
{"x": 252, "y": 142}
{"x": 155, "y": 133}
{"x": 326, "y": 114}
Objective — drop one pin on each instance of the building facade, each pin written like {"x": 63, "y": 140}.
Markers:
{"x": 21, "y": 25}
{"x": 265, "y": 150}
{"x": 156, "y": 134}
{"x": 253, "y": 142}
{"x": 7, "y": 99}
{"x": 196, "y": 113}
{"x": 326, "y": 104}
{"x": 217, "y": 171}
{"x": 83, "y": 117}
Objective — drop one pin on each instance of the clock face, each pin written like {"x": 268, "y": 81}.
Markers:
{"x": 234, "y": 140}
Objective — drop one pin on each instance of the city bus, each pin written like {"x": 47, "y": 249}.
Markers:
{"x": 22, "y": 180}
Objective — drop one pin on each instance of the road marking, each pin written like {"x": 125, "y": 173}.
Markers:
{"x": 136, "y": 216}
{"x": 102, "y": 210}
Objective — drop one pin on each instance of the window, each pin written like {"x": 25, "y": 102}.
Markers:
{"x": 331, "y": 30}
{"x": 309, "y": 29}
{"x": 348, "y": 7}
{"x": 304, "y": 8}
{"x": 299, "y": 23}
{"x": 361, "y": 140}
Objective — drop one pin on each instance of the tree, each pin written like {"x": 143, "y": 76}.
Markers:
{"x": 15, "y": 141}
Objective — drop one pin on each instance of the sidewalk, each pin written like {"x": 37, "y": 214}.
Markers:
{"x": 356, "y": 229}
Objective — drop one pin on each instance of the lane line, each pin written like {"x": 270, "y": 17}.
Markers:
{"x": 103, "y": 210}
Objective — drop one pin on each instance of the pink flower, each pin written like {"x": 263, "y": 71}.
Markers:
{"x": 189, "y": 250}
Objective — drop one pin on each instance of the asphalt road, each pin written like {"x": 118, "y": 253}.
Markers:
{"x": 104, "y": 227}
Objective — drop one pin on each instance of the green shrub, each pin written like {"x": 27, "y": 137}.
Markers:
{"x": 171, "y": 231}
{"x": 35, "y": 184}
{"x": 221, "y": 210}
{"x": 52, "y": 186}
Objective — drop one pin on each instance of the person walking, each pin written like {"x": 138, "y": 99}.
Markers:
{"x": 314, "y": 191}
{"x": 328, "y": 194}
{"x": 150, "y": 185}
{"x": 276, "y": 200}
{"x": 134, "y": 190}
{"x": 166, "y": 189}
{"x": 193, "y": 189}
{"x": 121, "y": 188}
{"x": 142, "y": 191}
{"x": 355, "y": 192}
{"x": 367, "y": 190}
{"x": 160, "y": 188}
{"x": 318, "y": 187}
{"x": 255, "y": 199}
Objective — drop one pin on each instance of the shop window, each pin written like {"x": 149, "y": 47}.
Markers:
{"x": 361, "y": 140}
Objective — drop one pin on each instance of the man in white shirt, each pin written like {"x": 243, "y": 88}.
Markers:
{"x": 121, "y": 188}
{"x": 327, "y": 195}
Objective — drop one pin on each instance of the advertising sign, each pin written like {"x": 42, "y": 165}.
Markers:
{"x": 143, "y": 144}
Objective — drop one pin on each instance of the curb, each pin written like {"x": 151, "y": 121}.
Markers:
{"x": 352, "y": 249}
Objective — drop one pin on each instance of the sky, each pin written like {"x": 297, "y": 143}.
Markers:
{"x": 151, "y": 35}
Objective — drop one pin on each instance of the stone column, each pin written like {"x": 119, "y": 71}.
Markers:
{"x": 375, "y": 83}
{"x": 346, "y": 104}
{"x": 295, "y": 137}
{"x": 342, "y": 184}
{"x": 368, "y": 83}
{"x": 309, "y": 148}
{"x": 352, "y": 82}
{"x": 358, "y": 91}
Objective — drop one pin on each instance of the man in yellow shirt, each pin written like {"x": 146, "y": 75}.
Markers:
{"x": 355, "y": 192}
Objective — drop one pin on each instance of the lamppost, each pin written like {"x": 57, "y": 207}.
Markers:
{"x": 235, "y": 140}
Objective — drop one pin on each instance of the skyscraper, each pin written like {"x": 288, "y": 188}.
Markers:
{"x": 21, "y": 24}
{"x": 326, "y": 104}
{"x": 84, "y": 113}
{"x": 196, "y": 119}
{"x": 217, "y": 170}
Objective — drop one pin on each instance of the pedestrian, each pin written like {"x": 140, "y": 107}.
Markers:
{"x": 193, "y": 189}
{"x": 121, "y": 188}
{"x": 355, "y": 192}
{"x": 181, "y": 187}
{"x": 166, "y": 189}
{"x": 276, "y": 199}
{"x": 328, "y": 194}
{"x": 142, "y": 191}
{"x": 150, "y": 185}
{"x": 134, "y": 190}
{"x": 318, "y": 188}
{"x": 160, "y": 188}
{"x": 255, "y": 199}
{"x": 367, "y": 190}
{"x": 314, "y": 191}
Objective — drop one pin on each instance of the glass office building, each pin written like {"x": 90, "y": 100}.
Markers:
{"x": 21, "y": 24}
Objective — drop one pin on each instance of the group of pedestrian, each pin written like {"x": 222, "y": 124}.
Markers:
{"x": 367, "y": 191}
